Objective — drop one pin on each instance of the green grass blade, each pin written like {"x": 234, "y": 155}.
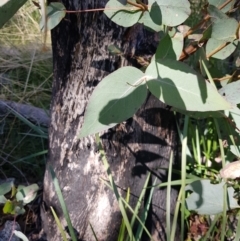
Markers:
{"x": 121, "y": 235}
{"x": 132, "y": 211}
{"x": 27, "y": 122}
{"x": 213, "y": 224}
{"x": 224, "y": 218}
{"x": 183, "y": 171}
{"x": 62, "y": 203}
{"x": 31, "y": 156}
{"x": 208, "y": 74}
{"x": 59, "y": 224}
{"x": 139, "y": 220}
{"x": 145, "y": 213}
{"x": 175, "y": 217}
{"x": 237, "y": 237}
{"x": 116, "y": 193}
{"x": 168, "y": 203}
{"x": 140, "y": 200}
{"x": 94, "y": 234}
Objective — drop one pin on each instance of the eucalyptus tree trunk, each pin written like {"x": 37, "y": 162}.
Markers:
{"x": 135, "y": 147}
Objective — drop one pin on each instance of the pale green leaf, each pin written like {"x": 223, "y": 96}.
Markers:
{"x": 2, "y": 199}
{"x": 207, "y": 198}
{"x": 55, "y": 13}
{"x": 6, "y": 186}
{"x": 115, "y": 99}
{"x": 8, "y": 207}
{"x": 231, "y": 92}
{"x": 27, "y": 194}
{"x": 170, "y": 47}
{"x": 216, "y": 14}
{"x": 121, "y": 14}
{"x": 235, "y": 150}
{"x": 20, "y": 235}
{"x": 235, "y": 114}
{"x": 170, "y": 13}
{"x": 218, "y": 3}
{"x": 213, "y": 44}
{"x": 177, "y": 85}
{"x": 8, "y": 8}
{"x": 200, "y": 115}
{"x": 229, "y": 26}
{"x": 147, "y": 21}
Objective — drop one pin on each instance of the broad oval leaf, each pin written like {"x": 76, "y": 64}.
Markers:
{"x": 116, "y": 98}
{"x": 8, "y": 207}
{"x": 20, "y": 235}
{"x": 147, "y": 21}
{"x": 6, "y": 186}
{"x": 213, "y": 44}
{"x": 55, "y": 13}
{"x": 207, "y": 198}
{"x": 235, "y": 150}
{"x": 121, "y": 14}
{"x": 229, "y": 26}
{"x": 200, "y": 115}
{"x": 218, "y": 3}
{"x": 170, "y": 47}
{"x": 170, "y": 13}
{"x": 231, "y": 92}
{"x": 8, "y": 8}
{"x": 27, "y": 194}
{"x": 177, "y": 85}
{"x": 216, "y": 14}
{"x": 235, "y": 114}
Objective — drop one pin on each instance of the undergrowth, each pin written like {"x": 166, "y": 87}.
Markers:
{"x": 26, "y": 78}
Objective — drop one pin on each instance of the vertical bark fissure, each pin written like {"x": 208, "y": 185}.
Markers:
{"x": 140, "y": 144}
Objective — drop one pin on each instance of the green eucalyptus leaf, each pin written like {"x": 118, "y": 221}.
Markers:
{"x": 170, "y": 47}
{"x": 2, "y": 199}
{"x": 124, "y": 15}
{"x": 216, "y": 14}
{"x": 231, "y": 92}
{"x": 147, "y": 21}
{"x": 207, "y": 198}
{"x": 235, "y": 150}
{"x": 225, "y": 30}
{"x": 213, "y": 44}
{"x": 8, "y": 8}
{"x": 27, "y": 194}
{"x": 55, "y": 13}
{"x": 170, "y": 13}
{"x": 8, "y": 207}
{"x": 235, "y": 114}
{"x": 200, "y": 115}
{"x": 6, "y": 186}
{"x": 20, "y": 235}
{"x": 177, "y": 85}
{"x": 218, "y": 3}
{"x": 19, "y": 210}
{"x": 207, "y": 33}
{"x": 116, "y": 98}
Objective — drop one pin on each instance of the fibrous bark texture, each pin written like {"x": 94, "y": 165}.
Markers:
{"x": 141, "y": 144}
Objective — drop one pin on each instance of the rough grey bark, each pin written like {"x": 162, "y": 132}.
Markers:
{"x": 141, "y": 144}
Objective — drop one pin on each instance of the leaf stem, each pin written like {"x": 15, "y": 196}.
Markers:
{"x": 138, "y": 5}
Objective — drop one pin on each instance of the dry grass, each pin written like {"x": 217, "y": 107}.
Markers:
{"x": 25, "y": 77}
